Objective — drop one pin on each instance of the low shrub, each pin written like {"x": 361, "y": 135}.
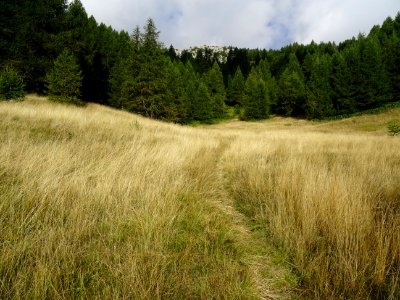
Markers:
{"x": 394, "y": 127}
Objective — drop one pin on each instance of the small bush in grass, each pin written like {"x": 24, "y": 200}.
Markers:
{"x": 11, "y": 85}
{"x": 394, "y": 127}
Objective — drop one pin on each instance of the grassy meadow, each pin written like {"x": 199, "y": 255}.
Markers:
{"x": 97, "y": 203}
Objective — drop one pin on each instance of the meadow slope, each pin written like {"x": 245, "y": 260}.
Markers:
{"x": 98, "y": 203}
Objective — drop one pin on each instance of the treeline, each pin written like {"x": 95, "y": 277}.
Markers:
{"x": 42, "y": 39}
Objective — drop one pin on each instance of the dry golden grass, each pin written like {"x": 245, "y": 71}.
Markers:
{"x": 330, "y": 201}
{"x": 97, "y": 203}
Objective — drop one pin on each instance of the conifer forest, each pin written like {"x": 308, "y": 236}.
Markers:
{"x": 57, "y": 49}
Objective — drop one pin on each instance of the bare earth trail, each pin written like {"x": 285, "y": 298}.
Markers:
{"x": 270, "y": 274}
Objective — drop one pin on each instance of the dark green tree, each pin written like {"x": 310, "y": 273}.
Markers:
{"x": 341, "y": 81}
{"x": 11, "y": 84}
{"x": 390, "y": 47}
{"x": 145, "y": 88}
{"x": 374, "y": 87}
{"x": 64, "y": 81}
{"x": 216, "y": 89}
{"x": 201, "y": 103}
{"x": 151, "y": 80}
{"x": 291, "y": 89}
{"x": 236, "y": 89}
{"x": 319, "y": 92}
{"x": 28, "y": 30}
{"x": 190, "y": 83}
{"x": 256, "y": 101}
{"x": 123, "y": 74}
{"x": 177, "y": 106}
{"x": 264, "y": 71}
{"x": 122, "y": 82}
{"x": 172, "y": 53}
{"x": 238, "y": 58}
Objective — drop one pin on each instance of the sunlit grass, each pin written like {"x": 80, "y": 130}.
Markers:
{"x": 330, "y": 202}
{"x": 99, "y": 203}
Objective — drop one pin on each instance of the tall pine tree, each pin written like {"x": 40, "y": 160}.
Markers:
{"x": 319, "y": 93}
{"x": 201, "y": 103}
{"x": 64, "y": 81}
{"x": 291, "y": 89}
{"x": 341, "y": 80}
{"x": 236, "y": 89}
{"x": 271, "y": 85}
{"x": 256, "y": 99}
{"x": 216, "y": 89}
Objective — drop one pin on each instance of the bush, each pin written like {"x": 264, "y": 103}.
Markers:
{"x": 394, "y": 127}
{"x": 11, "y": 85}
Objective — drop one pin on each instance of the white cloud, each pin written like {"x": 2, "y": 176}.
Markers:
{"x": 246, "y": 23}
{"x": 333, "y": 20}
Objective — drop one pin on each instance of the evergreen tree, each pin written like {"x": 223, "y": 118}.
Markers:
{"x": 238, "y": 58}
{"x": 124, "y": 73}
{"x": 264, "y": 71}
{"x": 393, "y": 65}
{"x": 190, "y": 82}
{"x": 319, "y": 93}
{"x": 64, "y": 81}
{"x": 216, "y": 89}
{"x": 356, "y": 82}
{"x": 256, "y": 101}
{"x": 137, "y": 38}
{"x": 374, "y": 87}
{"x": 201, "y": 103}
{"x": 147, "y": 91}
{"x": 122, "y": 82}
{"x": 291, "y": 89}
{"x": 203, "y": 61}
{"x": 11, "y": 85}
{"x": 172, "y": 53}
{"x": 27, "y": 38}
{"x": 390, "y": 48}
{"x": 176, "y": 108}
{"x": 186, "y": 57}
{"x": 341, "y": 80}
{"x": 236, "y": 89}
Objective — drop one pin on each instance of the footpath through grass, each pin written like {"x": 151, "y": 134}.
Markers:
{"x": 99, "y": 203}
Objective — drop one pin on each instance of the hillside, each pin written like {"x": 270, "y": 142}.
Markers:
{"x": 134, "y": 70}
{"x": 101, "y": 203}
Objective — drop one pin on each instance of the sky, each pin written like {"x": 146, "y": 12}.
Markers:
{"x": 268, "y": 24}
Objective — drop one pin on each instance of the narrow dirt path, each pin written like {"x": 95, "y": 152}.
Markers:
{"x": 270, "y": 274}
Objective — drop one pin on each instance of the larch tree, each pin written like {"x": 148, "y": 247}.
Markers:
{"x": 216, "y": 89}
{"x": 236, "y": 89}
{"x": 291, "y": 89}
{"x": 201, "y": 103}
{"x": 64, "y": 81}
{"x": 319, "y": 92}
{"x": 256, "y": 99}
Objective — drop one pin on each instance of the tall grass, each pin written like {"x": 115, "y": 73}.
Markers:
{"x": 331, "y": 203}
{"x": 97, "y": 204}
